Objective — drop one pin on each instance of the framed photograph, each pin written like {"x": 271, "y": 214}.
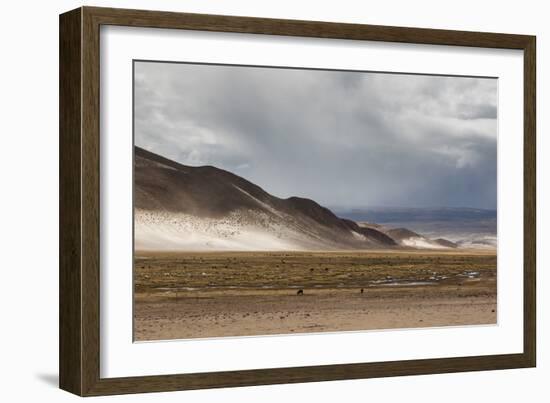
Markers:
{"x": 249, "y": 201}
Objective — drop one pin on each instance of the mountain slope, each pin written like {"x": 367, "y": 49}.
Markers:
{"x": 406, "y": 237}
{"x": 179, "y": 207}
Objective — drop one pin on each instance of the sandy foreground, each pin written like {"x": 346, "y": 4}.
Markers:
{"x": 201, "y": 295}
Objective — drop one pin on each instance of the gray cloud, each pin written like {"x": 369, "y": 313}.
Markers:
{"x": 345, "y": 139}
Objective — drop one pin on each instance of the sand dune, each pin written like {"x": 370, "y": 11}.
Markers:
{"x": 238, "y": 231}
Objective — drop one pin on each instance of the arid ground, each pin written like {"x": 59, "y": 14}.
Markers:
{"x": 217, "y": 294}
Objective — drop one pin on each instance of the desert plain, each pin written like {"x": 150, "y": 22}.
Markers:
{"x": 189, "y": 295}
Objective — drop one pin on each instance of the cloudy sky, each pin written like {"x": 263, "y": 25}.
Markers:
{"x": 344, "y": 139}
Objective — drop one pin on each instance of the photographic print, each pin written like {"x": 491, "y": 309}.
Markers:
{"x": 271, "y": 200}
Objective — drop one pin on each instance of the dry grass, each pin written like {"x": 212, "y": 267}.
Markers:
{"x": 164, "y": 274}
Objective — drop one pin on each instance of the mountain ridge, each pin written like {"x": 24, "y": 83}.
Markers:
{"x": 180, "y": 207}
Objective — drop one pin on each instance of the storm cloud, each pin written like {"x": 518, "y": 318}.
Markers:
{"x": 343, "y": 139}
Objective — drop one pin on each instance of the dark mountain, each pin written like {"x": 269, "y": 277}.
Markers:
{"x": 399, "y": 234}
{"x": 406, "y": 237}
{"x": 445, "y": 243}
{"x": 183, "y": 207}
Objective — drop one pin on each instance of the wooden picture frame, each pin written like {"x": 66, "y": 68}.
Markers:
{"x": 79, "y": 348}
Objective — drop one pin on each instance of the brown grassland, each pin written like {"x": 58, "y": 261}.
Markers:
{"x": 217, "y": 294}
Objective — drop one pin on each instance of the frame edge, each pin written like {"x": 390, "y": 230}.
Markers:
{"x": 70, "y": 275}
{"x": 530, "y": 201}
{"x": 304, "y": 28}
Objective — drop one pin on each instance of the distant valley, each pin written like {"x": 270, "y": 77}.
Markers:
{"x": 466, "y": 227}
